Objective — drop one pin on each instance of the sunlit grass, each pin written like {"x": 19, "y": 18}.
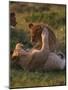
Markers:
{"x": 20, "y": 78}
{"x": 55, "y": 17}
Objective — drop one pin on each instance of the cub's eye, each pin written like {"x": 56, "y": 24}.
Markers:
{"x": 21, "y": 46}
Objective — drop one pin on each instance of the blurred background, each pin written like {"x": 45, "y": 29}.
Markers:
{"x": 54, "y": 16}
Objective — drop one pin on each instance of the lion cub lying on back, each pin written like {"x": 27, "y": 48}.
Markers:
{"x": 19, "y": 50}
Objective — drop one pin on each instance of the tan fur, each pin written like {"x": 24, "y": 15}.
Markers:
{"x": 54, "y": 62}
{"x": 35, "y": 60}
{"x": 36, "y": 31}
{"x": 42, "y": 59}
{"x": 19, "y": 51}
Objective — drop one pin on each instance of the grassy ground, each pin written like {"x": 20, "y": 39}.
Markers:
{"x": 54, "y": 15}
{"x": 20, "y": 78}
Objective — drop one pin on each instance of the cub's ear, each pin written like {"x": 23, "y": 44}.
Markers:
{"x": 30, "y": 25}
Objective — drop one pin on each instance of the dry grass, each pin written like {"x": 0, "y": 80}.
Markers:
{"x": 20, "y": 78}
{"x": 55, "y": 17}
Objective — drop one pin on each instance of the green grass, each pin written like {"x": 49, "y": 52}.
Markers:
{"x": 20, "y": 78}
{"x": 54, "y": 15}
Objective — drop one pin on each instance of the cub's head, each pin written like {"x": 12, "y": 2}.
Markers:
{"x": 36, "y": 31}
